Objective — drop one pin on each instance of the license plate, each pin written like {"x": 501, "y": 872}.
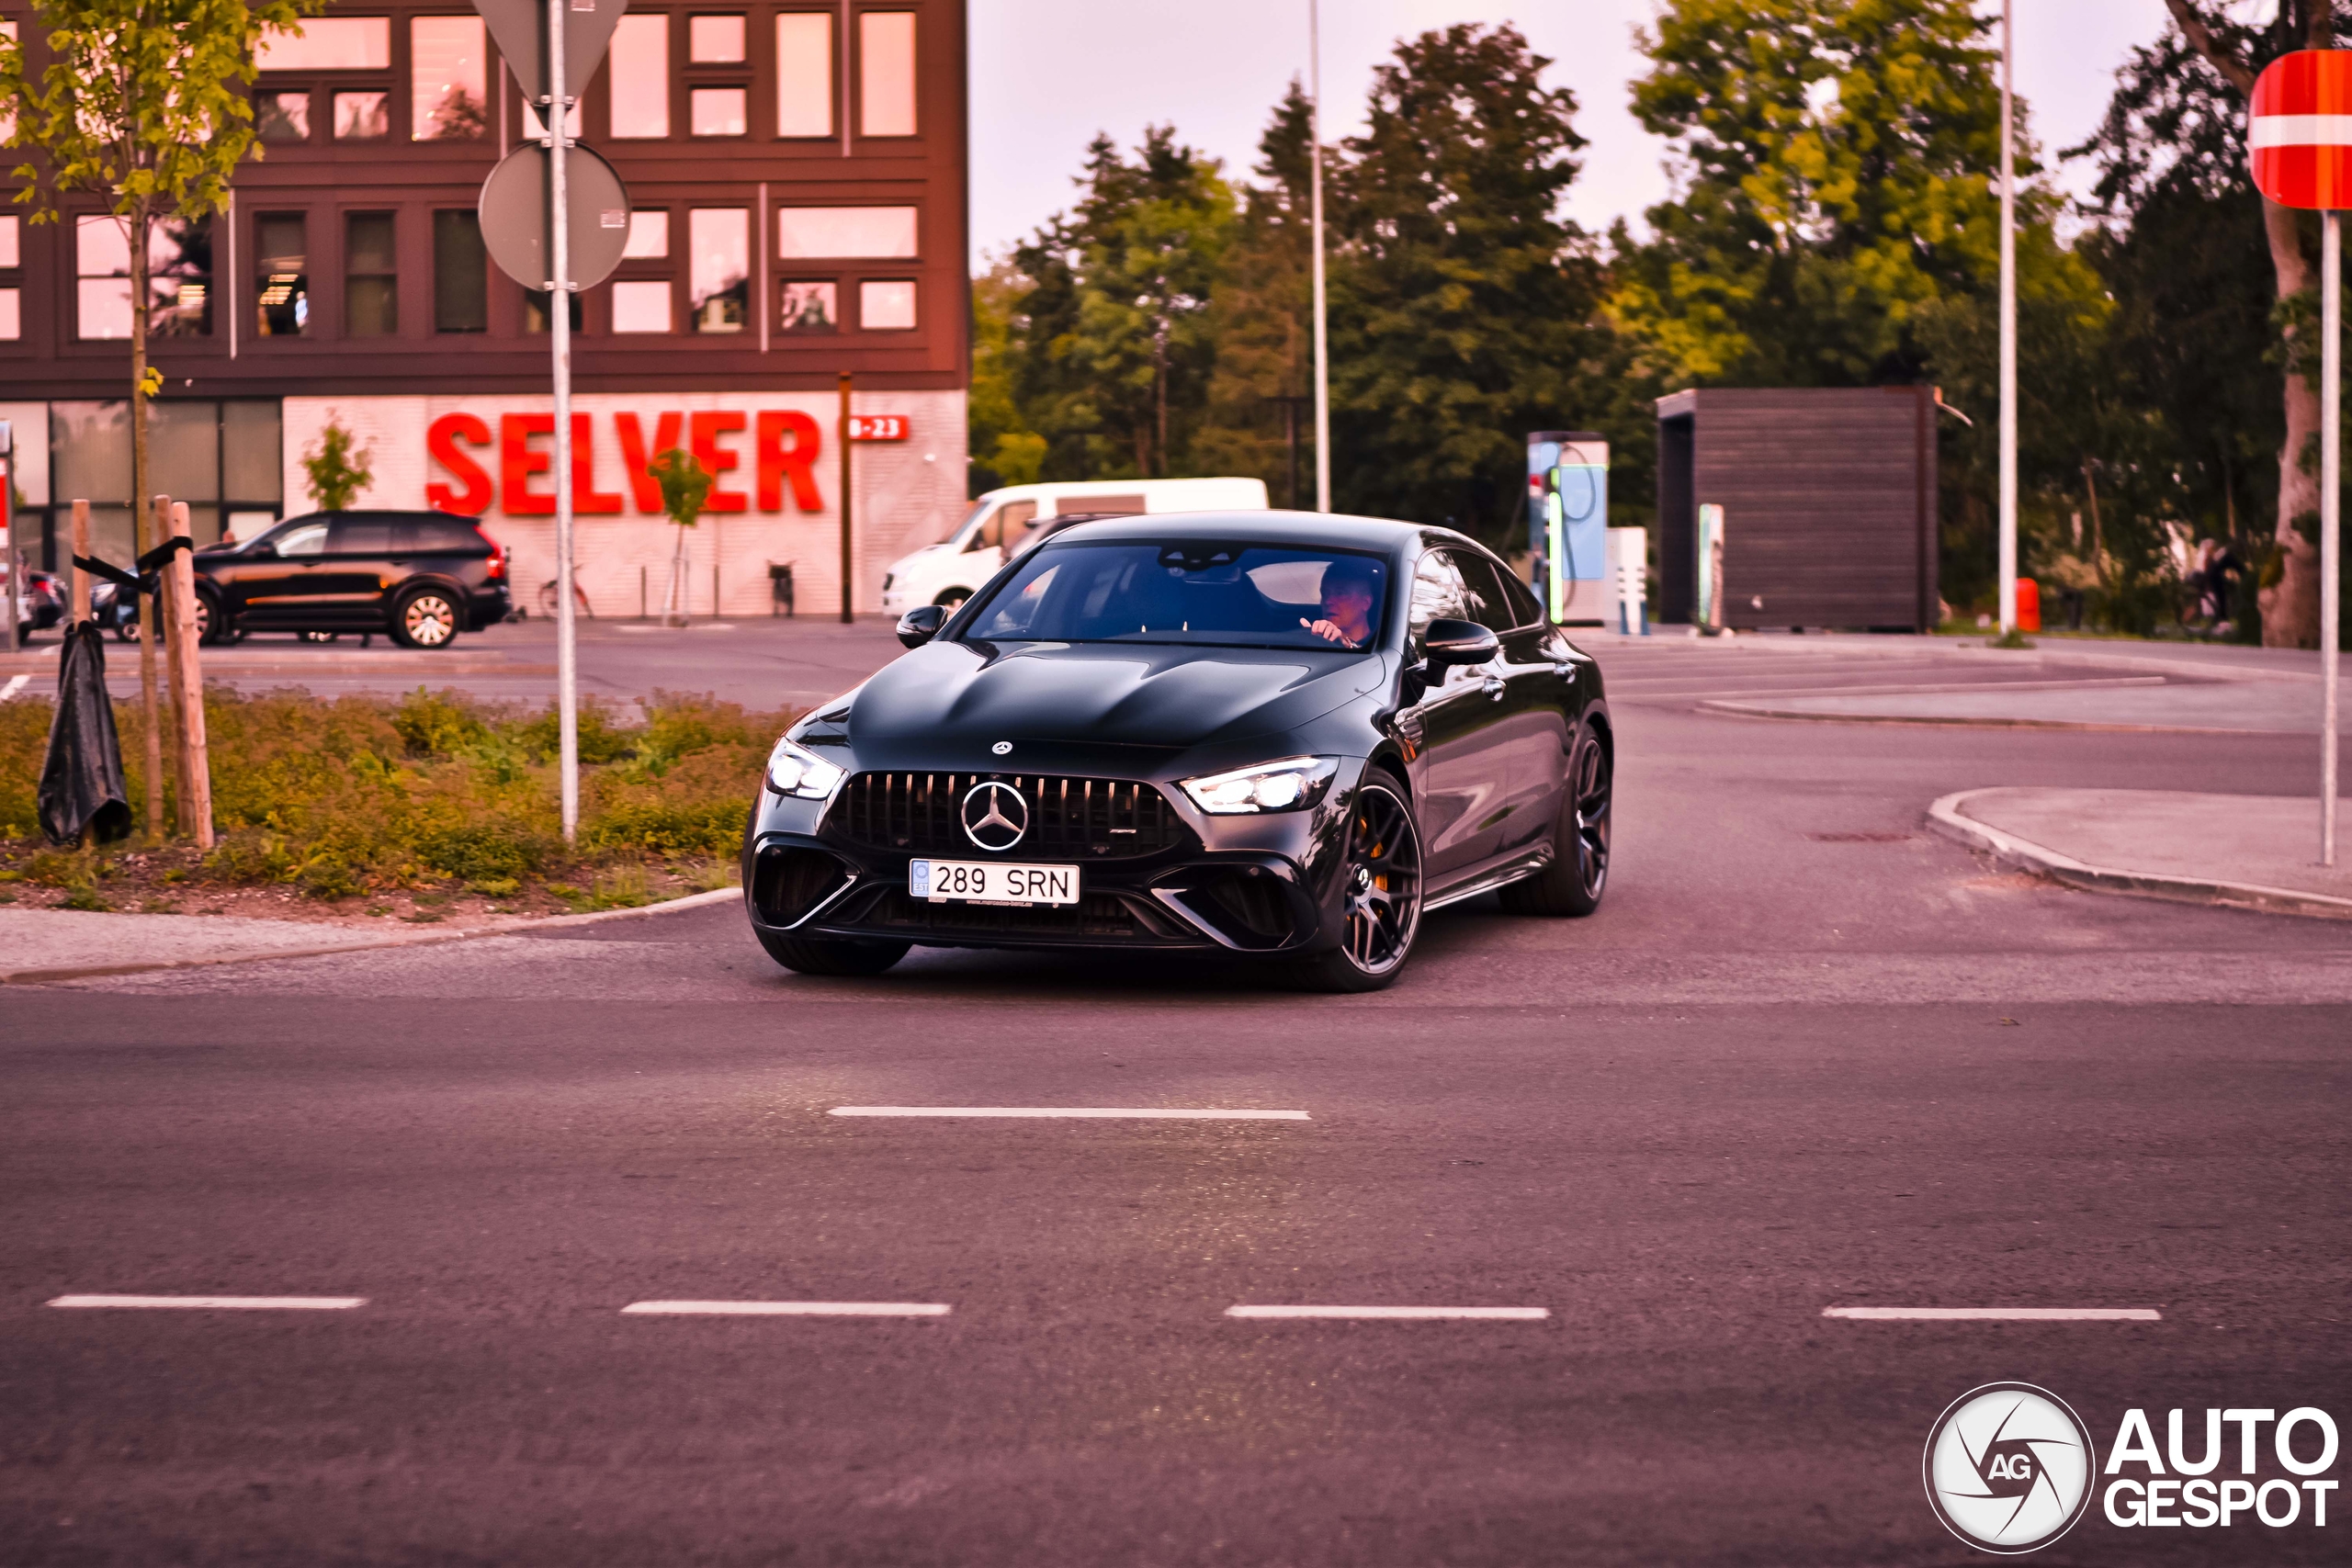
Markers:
{"x": 989, "y": 882}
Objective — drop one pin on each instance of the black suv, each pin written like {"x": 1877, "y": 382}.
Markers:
{"x": 422, "y": 576}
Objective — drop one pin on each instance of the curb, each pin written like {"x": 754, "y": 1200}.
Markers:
{"x": 2007, "y": 849}
{"x": 1752, "y": 710}
{"x": 391, "y": 939}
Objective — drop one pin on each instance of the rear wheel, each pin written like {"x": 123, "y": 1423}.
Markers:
{"x": 427, "y": 617}
{"x": 1382, "y": 897}
{"x": 819, "y": 955}
{"x": 952, "y": 599}
{"x": 1579, "y": 874}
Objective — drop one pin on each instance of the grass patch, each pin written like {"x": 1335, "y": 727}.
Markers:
{"x": 435, "y": 796}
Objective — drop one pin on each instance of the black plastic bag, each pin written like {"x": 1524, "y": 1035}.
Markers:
{"x": 81, "y": 779}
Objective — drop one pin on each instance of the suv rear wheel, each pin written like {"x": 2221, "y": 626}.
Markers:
{"x": 427, "y": 617}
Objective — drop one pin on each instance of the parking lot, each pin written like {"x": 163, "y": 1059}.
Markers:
{"x": 1598, "y": 1182}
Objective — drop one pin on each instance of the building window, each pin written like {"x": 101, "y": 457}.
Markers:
{"x": 804, "y": 73}
{"x": 886, "y": 306}
{"x": 719, "y": 239}
{"x": 362, "y": 116}
{"x": 331, "y": 43}
{"x": 810, "y": 308}
{"x": 448, "y": 77}
{"x": 179, "y": 277}
{"x": 535, "y": 311}
{"x": 461, "y": 274}
{"x": 282, "y": 275}
{"x": 641, "y": 306}
{"x": 283, "y": 117}
{"x": 639, "y": 68}
{"x": 714, "y": 41}
{"x": 845, "y": 232}
{"x": 12, "y": 325}
{"x": 101, "y": 277}
{"x": 371, "y": 306}
{"x": 717, "y": 111}
{"x": 648, "y": 237}
{"x": 885, "y": 73}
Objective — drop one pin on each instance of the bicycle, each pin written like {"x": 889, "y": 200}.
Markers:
{"x": 579, "y": 599}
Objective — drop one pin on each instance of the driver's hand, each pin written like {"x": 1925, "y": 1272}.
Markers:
{"x": 1326, "y": 630}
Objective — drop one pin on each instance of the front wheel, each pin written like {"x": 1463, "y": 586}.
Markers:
{"x": 818, "y": 955}
{"x": 952, "y": 599}
{"x": 1382, "y": 895}
{"x": 1579, "y": 874}
{"x": 427, "y": 617}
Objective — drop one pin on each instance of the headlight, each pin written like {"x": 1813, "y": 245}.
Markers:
{"x": 796, "y": 771}
{"x": 1287, "y": 785}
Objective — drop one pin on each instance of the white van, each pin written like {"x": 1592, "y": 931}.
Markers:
{"x": 1003, "y": 520}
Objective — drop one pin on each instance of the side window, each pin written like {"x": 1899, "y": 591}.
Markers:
{"x": 311, "y": 540}
{"x": 1527, "y": 609}
{"x": 1005, "y": 526}
{"x": 361, "y": 537}
{"x": 1437, "y": 595}
{"x": 1488, "y": 604}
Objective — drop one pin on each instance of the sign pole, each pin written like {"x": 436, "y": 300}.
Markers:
{"x": 846, "y": 564}
{"x": 2331, "y": 516}
{"x": 1315, "y": 221}
{"x": 2008, "y": 436}
{"x": 567, "y": 676}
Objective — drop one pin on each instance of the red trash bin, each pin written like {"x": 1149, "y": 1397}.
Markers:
{"x": 2028, "y": 604}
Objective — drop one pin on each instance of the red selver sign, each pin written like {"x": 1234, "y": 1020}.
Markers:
{"x": 2300, "y": 130}
{"x": 785, "y": 447}
{"x": 878, "y": 427}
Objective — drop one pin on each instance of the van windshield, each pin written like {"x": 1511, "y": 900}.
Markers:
{"x": 1217, "y": 596}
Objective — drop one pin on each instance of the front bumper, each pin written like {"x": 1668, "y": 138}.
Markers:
{"x": 1260, "y": 886}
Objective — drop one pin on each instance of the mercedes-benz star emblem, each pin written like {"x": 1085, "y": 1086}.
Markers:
{"x": 995, "y": 815}
{"x": 1002, "y": 747}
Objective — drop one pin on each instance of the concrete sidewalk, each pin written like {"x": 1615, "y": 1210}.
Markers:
{"x": 2252, "y": 851}
{"x": 38, "y": 946}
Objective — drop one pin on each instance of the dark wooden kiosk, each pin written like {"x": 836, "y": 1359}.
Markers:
{"x": 1829, "y": 503}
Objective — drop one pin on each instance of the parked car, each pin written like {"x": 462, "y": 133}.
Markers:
{"x": 1005, "y": 522}
{"x": 422, "y": 577}
{"x": 1270, "y": 736}
{"x": 42, "y": 605}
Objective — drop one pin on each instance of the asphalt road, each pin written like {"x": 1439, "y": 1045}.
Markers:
{"x": 1806, "y": 1057}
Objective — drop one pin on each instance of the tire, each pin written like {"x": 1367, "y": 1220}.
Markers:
{"x": 1382, "y": 892}
{"x": 210, "y": 629}
{"x": 952, "y": 599}
{"x": 427, "y": 617}
{"x": 817, "y": 955}
{"x": 1573, "y": 884}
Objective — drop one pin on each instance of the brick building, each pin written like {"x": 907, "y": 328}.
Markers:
{"x": 797, "y": 178}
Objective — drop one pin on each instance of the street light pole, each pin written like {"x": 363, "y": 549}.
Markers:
{"x": 1314, "y": 209}
{"x": 2331, "y": 516}
{"x": 567, "y": 682}
{"x": 2009, "y": 337}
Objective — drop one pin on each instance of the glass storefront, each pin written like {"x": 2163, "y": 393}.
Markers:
{"x": 222, "y": 458}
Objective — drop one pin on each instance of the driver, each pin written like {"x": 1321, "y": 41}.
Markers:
{"x": 1351, "y": 585}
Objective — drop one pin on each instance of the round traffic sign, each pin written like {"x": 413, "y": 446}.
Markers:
{"x": 515, "y": 216}
{"x": 2298, "y": 129}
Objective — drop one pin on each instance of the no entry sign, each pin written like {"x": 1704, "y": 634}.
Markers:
{"x": 2300, "y": 130}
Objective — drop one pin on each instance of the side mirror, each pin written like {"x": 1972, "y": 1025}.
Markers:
{"x": 1458, "y": 642}
{"x": 920, "y": 624}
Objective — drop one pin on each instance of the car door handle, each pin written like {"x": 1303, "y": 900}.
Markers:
{"x": 1493, "y": 687}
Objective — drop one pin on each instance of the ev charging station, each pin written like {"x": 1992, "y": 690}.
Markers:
{"x": 1567, "y": 523}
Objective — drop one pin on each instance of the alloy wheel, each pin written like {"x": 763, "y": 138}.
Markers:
{"x": 1384, "y": 880}
{"x": 429, "y": 620}
{"x": 1591, "y": 787}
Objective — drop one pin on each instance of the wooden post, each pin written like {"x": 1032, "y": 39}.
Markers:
{"x": 81, "y": 547}
{"x": 848, "y": 565}
{"x": 147, "y": 533}
{"x": 187, "y": 690}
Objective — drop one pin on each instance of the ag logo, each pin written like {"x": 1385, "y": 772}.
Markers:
{"x": 995, "y": 817}
{"x": 2008, "y": 1468}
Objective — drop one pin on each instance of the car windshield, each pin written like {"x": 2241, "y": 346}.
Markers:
{"x": 1217, "y": 596}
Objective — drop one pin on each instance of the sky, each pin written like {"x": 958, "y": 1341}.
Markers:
{"x": 1046, "y": 74}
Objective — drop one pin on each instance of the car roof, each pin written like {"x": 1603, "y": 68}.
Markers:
{"x": 1270, "y": 527}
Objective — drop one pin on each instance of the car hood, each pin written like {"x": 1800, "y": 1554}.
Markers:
{"x": 960, "y": 697}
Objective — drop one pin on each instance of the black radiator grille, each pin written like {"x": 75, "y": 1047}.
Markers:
{"x": 1070, "y": 818}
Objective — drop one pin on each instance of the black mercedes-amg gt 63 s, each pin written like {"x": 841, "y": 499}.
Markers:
{"x": 1274, "y": 735}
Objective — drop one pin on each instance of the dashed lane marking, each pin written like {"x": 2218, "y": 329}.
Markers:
{"x": 786, "y": 1309}
{"x": 218, "y": 1303}
{"x": 1073, "y": 1112}
{"x": 1513, "y": 1313}
{"x": 1997, "y": 1314}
